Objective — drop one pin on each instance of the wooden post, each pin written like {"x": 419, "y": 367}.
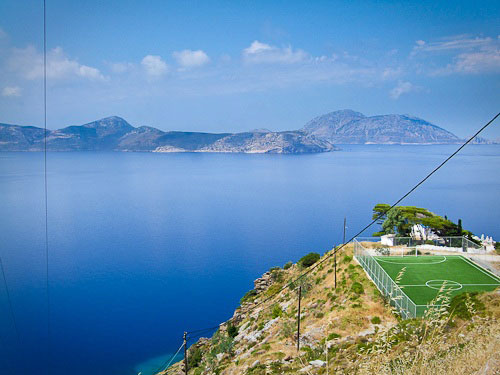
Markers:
{"x": 335, "y": 265}
{"x": 298, "y": 320}
{"x": 185, "y": 353}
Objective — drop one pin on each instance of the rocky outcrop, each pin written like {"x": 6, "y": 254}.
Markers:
{"x": 263, "y": 282}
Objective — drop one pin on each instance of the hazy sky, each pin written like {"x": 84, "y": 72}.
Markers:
{"x": 240, "y": 65}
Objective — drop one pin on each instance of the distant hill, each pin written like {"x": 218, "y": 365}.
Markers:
{"x": 318, "y": 135}
{"x": 350, "y": 127}
{"x": 116, "y": 134}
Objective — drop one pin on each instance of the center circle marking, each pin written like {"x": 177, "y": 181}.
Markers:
{"x": 437, "y": 284}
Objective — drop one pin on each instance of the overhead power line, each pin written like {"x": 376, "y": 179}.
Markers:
{"x": 169, "y": 361}
{"x": 47, "y": 286}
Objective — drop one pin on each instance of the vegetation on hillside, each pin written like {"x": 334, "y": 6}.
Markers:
{"x": 350, "y": 329}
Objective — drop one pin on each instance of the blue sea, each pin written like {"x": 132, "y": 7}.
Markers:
{"x": 143, "y": 246}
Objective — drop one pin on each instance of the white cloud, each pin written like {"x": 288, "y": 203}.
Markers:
{"x": 391, "y": 73}
{"x": 121, "y": 67}
{"x": 257, "y": 47}
{"x": 485, "y": 60}
{"x": 189, "y": 59}
{"x": 465, "y": 54}
{"x": 11, "y": 91}
{"x": 29, "y": 64}
{"x": 259, "y": 52}
{"x": 402, "y": 88}
{"x": 477, "y": 62}
{"x": 460, "y": 42}
{"x": 154, "y": 65}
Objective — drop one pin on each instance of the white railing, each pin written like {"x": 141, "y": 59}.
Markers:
{"x": 452, "y": 243}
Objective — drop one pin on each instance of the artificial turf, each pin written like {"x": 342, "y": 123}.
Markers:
{"x": 423, "y": 276}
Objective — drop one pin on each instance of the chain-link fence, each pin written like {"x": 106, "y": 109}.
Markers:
{"x": 385, "y": 284}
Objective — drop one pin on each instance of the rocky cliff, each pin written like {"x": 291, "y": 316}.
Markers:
{"x": 350, "y": 329}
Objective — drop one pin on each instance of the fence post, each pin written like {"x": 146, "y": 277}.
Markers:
{"x": 298, "y": 320}
{"x": 335, "y": 265}
{"x": 185, "y": 353}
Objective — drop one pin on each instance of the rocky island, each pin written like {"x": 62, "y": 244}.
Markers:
{"x": 318, "y": 135}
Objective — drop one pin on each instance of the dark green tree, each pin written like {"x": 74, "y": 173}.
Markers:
{"x": 401, "y": 219}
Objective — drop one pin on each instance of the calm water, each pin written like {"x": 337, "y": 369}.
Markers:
{"x": 144, "y": 246}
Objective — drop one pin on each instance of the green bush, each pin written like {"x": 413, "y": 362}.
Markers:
{"x": 249, "y": 296}
{"x": 309, "y": 259}
{"x": 194, "y": 357}
{"x": 332, "y": 336}
{"x": 277, "y": 275}
{"x": 232, "y": 331}
{"x": 375, "y": 320}
{"x": 346, "y": 259}
{"x": 287, "y": 265}
{"x": 273, "y": 289}
{"x": 257, "y": 370}
{"x": 277, "y": 311}
{"x": 465, "y": 305}
{"x": 357, "y": 288}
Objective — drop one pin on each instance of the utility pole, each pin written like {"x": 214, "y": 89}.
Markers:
{"x": 185, "y": 353}
{"x": 298, "y": 320}
{"x": 335, "y": 265}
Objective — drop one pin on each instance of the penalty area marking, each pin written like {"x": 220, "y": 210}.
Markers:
{"x": 410, "y": 263}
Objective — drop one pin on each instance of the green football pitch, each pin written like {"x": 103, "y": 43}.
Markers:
{"x": 423, "y": 276}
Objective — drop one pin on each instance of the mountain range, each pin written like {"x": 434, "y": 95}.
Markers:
{"x": 318, "y": 135}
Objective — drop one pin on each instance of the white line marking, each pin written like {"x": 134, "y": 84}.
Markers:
{"x": 462, "y": 284}
{"x": 468, "y": 261}
{"x": 448, "y": 284}
{"x": 386, "y": 261}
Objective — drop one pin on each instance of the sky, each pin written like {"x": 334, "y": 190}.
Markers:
{"x": 223, "y": 66}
